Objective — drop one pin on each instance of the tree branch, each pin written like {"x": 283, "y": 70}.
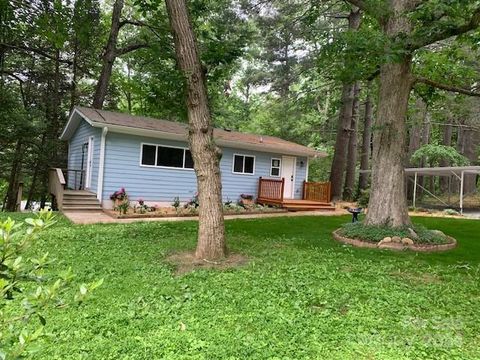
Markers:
{"x": 131, "y": 47}
{"x": 472, "y": 24}
{"x": 446, "y": 87}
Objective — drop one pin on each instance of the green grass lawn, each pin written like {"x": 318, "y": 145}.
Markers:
{"x": 301, "y": 296}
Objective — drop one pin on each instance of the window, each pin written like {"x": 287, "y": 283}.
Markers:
{"x": 275, "y": 167}
{"x": 166, "y": 156}
{"x": 243, "y": 164}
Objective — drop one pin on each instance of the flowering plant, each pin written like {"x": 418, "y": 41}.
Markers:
{"x": 119, "y": 195}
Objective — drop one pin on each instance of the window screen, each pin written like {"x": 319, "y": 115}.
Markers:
{"x": 148, "y": 154}
{"x": 243, "y": 164}
{"x": 156, "y": 155}
{"x": 275, "y": 168}
{"x": 172, "y": 157}
{"x": 188, "y": 159}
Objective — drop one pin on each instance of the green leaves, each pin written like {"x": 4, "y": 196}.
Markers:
{"x": 434, "y": 154}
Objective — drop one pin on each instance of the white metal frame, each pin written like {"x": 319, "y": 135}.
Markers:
{"x": 243, "y": 167}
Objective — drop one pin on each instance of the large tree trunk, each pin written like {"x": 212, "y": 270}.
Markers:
{"x": 341, "y": 141}
{"x": 206, "y": 155}
{"x": 348, "y": 191}
{"x": 343, "y": 125}
{"x": 366, "y": 139}
{"x": 109, "y": 56}
{"x": 388, "y": 202}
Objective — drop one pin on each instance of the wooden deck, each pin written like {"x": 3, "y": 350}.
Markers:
{"x": 316, "y": 196}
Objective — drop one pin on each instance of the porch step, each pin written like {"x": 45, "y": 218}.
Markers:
{"x": 307, "y": 208}
{"x": 82, "y": 207}
{"x": 80, "y": 200}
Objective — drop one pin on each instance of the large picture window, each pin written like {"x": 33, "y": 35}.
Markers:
{"x": 275, "y": 167}
{"x": 243, "y": 164}
{"x": 166, "y": 156}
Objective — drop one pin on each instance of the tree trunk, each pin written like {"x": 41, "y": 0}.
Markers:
{"x": 109, "y": 56}
{"x": 470, "y": 140}
{"x": 343, "y": 124}
{"x": 388, "y": 203}
{"x": 206, "y": 155}
{"x": 366, "y": 139}
{"x": 14, "y": 178}
{"x": 348, "y": 191}
{"x": 447, "y": 141}
{"x": 341, "y": 142}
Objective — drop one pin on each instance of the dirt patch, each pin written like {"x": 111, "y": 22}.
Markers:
{"x": 186, "y": 262}
{"x": 417, "y": 278}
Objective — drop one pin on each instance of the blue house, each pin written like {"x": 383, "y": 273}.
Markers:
{"x": 151, "y": 160}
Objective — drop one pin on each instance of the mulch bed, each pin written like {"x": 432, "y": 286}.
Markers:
{"x": 396, "y": 246}
{"x": 151, "y": 215}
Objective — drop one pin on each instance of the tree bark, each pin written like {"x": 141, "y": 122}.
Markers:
{"x": 348, "y": 190}
{"x": 388, "y": 202}
{"x": 366, "y": 139}
{"x": 447, "y": 141}
{"x": 343, "y": 124}
{"x": 206, "y": 155}
{"x": 14, "y": 178}
{"x": 108, "y": 57}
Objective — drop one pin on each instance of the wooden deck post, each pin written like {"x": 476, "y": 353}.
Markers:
{"x": 304, "y": 188}
{"x": 259, "y": 187}
{"x": 283, "y": 187}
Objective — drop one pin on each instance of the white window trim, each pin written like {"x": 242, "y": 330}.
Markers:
{"x": 275, "y": 167}
{"x": 243, "y": 173}
{"x": 156, "y": 155}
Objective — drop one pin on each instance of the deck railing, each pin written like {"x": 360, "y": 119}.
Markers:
{"x": 271, "y": 190}
{"x": 317, "y": 191}
{"x": 75, "y": 178}
{"x": 56, "y": 186}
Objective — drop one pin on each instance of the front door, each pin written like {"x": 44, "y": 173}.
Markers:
{"x": 288, "y": 173}
{"x": 88, "y": 172}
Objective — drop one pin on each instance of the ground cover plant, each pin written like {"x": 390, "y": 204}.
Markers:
{"x": 301, "y": 295}
{"x": 374, "y": 233}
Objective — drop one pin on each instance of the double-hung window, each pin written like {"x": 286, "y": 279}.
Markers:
{"x": 166, "y": 156}
{"x": 243, "y": 164}
{"x": 275, "y": 167}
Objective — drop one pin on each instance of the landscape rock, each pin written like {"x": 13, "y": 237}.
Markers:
{"x": 407, "y": 241}
{"x": 396, "y": 239}
{"x": 387, "y": 239}
{"x": 412, "y": 233}
{"x": 438, "y": 232}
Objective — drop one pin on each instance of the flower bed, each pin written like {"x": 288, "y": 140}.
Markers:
{"x": 416, "y": 238}
{"x": 164, "y": 212}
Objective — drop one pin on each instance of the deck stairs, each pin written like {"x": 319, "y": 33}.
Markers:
{"x": 80, "y": 200}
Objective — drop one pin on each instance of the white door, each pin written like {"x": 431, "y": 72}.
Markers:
{"x": 288, "y": 173}
{"x": 88, "y": 173}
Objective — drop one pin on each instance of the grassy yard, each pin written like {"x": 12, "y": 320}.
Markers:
{"x": 301, "y": 296}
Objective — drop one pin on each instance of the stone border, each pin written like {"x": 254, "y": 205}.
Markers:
{"x": 115, "y": 215}
{"x": 397, "y": 246}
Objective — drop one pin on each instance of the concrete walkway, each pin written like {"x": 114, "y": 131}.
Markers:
{"x": 93, "y": 217}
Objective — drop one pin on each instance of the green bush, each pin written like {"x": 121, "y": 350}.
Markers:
{"x": 363, "y": 198}
{"x": 376, "y": 233}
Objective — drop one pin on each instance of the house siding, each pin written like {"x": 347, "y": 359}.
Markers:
{"x": 80, "y": 137}
{"x": 161, "y": 185}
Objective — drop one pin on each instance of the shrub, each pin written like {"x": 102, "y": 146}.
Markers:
{"x": 19, "y": 306}
{"x": 363, "y": 198}
{"x": 376, "y": 233}
{"x": 119, "y": 195}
